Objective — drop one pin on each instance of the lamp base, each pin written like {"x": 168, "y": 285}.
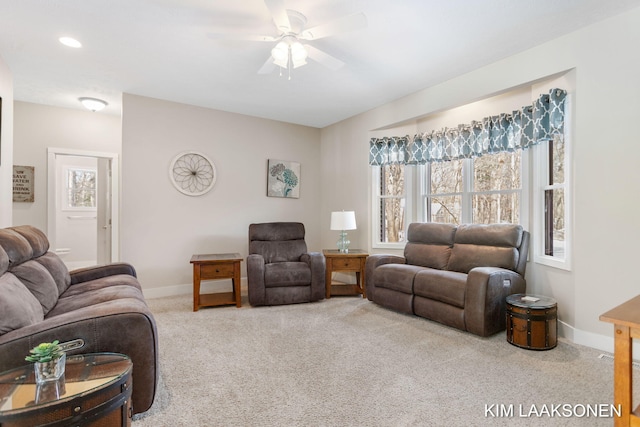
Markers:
{"x": 343, "y": 243}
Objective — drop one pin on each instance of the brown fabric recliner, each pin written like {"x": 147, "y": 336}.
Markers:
{"x": 279, "y": 268}
{"x": 41, "y": 301}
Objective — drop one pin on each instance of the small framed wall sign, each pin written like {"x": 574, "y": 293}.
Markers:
{"x": 23, "y": 183}
{"x": 283, "y": 179}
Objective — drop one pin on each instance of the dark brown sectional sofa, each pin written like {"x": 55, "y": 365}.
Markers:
{"x": 41, "y": 301}
{"x": 456, "y": 275}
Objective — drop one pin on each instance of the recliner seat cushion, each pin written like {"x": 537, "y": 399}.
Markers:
{"x": 445, "y": 286}
{"x": 397, "y": 277}
{"x": 280, "y": 274}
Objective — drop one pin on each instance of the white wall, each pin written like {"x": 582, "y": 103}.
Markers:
{"x": 38, "y": 127}
{"x": 162, "y": 228}
{"x": 605, "y": 172}
{"x": 6, "y": 145}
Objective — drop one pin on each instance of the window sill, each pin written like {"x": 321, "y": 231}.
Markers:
{"x": 554, "y": 262}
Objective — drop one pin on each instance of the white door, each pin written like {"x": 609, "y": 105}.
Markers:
{"x": 82, "y": 207}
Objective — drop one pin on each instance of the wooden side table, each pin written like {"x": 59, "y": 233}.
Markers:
{"x": 626, "y": 321}
{"x": 94, "y": 391}
{"x": 214, "y": 267}
{"x": 354, "y": 260}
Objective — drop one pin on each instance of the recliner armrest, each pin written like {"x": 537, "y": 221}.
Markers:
{"x": 96, "y": 272}
{"x": 316, "y": 261}
{"x": 485, "y": 298}
{"x": 374, "y": 261}
{"x": 255, "y": 279}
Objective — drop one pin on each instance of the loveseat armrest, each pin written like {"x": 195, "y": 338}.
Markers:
{"x": 374, "y": 261}
{"x": 255, "y": 279}
{"x": 87, "y": 274}
{"x": 485, "y": 298}
{"x": 316, "y": 261}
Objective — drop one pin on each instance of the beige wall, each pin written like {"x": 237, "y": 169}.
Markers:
{"x": 605, "y": 172}
{"x": 161, "y": 228}
{"x": 6, "y": 145}
{"x": 38, "y": 127}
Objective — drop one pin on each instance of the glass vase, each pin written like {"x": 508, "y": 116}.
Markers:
{"x": 50, "y": 371}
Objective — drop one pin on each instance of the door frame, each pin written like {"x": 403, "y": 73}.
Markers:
{"x": 52, "y": 179}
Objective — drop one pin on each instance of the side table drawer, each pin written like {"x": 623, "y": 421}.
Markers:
{"x": 346, "y": 264}
{"x": 216, "y": 271}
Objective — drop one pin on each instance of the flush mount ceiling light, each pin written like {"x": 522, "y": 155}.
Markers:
{"x": 70, "y": 42}
{"x": 93, "y": 104}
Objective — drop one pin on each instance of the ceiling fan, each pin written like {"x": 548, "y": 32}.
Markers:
{"x": 289, "y": 51}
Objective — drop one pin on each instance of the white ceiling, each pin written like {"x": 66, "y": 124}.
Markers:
{"x": 161, "y": 49}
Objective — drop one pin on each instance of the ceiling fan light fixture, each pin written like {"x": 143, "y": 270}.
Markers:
{"x": 298, "y": 52}
{"x": 280, "y": 52}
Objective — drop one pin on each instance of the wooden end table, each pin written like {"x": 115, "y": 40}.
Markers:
{"x": 354, "y": 261}
{"x": 215, "y": 267}
{"x": 626, "y": 321}
{"x": 532, "y": 321}
{"x": 95, "y": 390}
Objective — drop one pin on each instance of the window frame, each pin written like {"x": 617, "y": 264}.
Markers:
{"x": 541, "y": 160}
{"x": 409, "y": 179}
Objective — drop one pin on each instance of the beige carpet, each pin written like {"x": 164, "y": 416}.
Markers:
{"x": 349, "y": 362}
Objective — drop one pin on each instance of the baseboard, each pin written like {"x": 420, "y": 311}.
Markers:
{"x": 187, "y": 289}
{"x": 589, "y": 339}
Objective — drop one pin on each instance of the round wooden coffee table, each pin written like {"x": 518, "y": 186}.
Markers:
{"x": 532, "y": 321}
{"x": 95, "y": 391}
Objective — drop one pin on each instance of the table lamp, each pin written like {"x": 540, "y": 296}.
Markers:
{"x": 343, "y": 221}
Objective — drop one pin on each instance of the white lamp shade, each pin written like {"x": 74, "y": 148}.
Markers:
{"x": 343, "y": 220}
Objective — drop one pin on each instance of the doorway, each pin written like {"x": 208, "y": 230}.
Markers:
{"x": 82, "y": 209}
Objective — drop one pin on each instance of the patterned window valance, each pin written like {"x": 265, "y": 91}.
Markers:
{"x": 518, "y": 130}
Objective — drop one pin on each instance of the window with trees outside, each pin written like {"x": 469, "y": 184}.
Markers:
{"x": 80, "y": 188}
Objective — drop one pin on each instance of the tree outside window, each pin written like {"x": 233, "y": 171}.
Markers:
{"x": 81, "y": 188}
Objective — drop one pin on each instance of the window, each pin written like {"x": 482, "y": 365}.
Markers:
{"x": 552, "y": 203}
{"x": 483, "y": 190}
{"x": 391, "y": 186}
{"x": 80, "y": 188}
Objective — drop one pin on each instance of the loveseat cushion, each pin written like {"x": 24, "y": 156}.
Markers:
{"x": 482, "y": 245}
{"x": 58, "y": 270}
{"x": 16, "y": 247}
{"x": 397, "y": 277}
{"x": 287, "y": 274}
{"x": 444, "y": 286}
{"x": 18, "y": 306}
{"x": 39, "y": 281}
{"x": 429, "y": 244}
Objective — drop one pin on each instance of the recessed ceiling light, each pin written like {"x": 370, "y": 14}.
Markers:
{"x": 93, "y": 104}
{"x": 71, "y": 42}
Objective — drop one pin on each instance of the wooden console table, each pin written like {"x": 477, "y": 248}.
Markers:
{"x": 214, "y": 267}
{"x": 626, "y": 321}
{"x": 354, "y": 260}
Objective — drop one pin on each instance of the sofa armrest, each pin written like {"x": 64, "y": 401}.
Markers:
{"x": 316, "y": 261}
{"x": 485, "y": 298}
{"x": 255, "y": 279}
{"x": 99, "y": 271}
{"x": 122, "y": 326}
{"x": 373, "y": 262}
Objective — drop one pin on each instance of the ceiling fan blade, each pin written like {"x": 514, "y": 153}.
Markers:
{"x": 279, "y": 14}
{"x": 248, "y": 37}
{"x": 340, "y": 25}
{"x": 324, "y": 58}
{"x": 267, "y": 67}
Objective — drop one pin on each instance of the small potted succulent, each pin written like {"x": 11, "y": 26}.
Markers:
{"x": 50, "y": 359}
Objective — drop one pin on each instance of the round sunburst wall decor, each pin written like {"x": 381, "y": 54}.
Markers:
{"x": 192, "y": 173}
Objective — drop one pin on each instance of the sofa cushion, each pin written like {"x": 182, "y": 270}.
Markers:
{"x": 18, "y": 306}
{"x": 36, "y": 238}
{"x": 445, "y": 286}
{"x": 39, "y": 282}
{"x": 287, "y": 274}
{"x": 16, "y": 246}
{"x": 57, "y": 269}
{"x": 4, "y": 261}
{"x": 94, "y": 296}
{"x": 429, "y": 244}
{"x": 481, "y": 245}
{"x": 397, "y": 277}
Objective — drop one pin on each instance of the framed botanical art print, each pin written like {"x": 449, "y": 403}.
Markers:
{"x": 283, "y": 179}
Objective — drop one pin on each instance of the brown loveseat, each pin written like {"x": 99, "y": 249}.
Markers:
{"x": 40, "y": 301}
{"x": 458, "y": 276}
